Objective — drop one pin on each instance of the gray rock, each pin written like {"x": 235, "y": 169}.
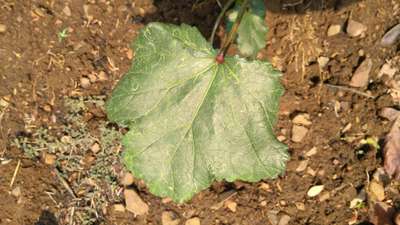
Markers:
{"x": 391, "y": 37}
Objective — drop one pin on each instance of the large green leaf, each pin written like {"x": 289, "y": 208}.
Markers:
{"x": 252, "y": 30}
{"x": 192, "y": 120}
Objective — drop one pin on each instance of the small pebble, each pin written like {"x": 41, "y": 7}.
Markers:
{"x": 298, "y": 133}
{"x": 300, "y": 206}
{"x": 231, "y": 205}
{"x": 134, "y": 203}
{"x": 334, "y": 30}
{"x": 95, "y": 148}
{"x": 127, "y": 179}
{"x": 85, "y": 82}
{"x": 102, "y": 76}
{"x": 355, "y": 28}
{"x": 193, "y": 221}
{"x": 263, "y": 203}
{"x": 388, "y": 70}
{"x": 389, "y": 113}
{"x": 361, "y": 75}
{"x": 302, "y": 166}
{"x": 285, "y": 219}
{"x": 311, "y": 171}
{"x": 119, "y": 208}
{"x": 302, "y": 119}
{"x": 67, "y": 11}
{"x": 312, "y": 152}
{"x": 325, "y": 196}
{"x": 273, "y": 217}
{"x": 391, "y": 37}
{"x": 315, "y": 190}
{"x": 322, "y": 61}
{"x": 16, "y": 192}
{"x": 49, "y": 159}
{"x": 377, "y": 191}
{"x": 169, "y": 218}
{"x": 3, "y": 28}
{"x": 92, "y": 78}
{"x": 129, "y": 54}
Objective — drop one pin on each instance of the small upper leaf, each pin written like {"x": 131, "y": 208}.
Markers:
{"x": 252, "y": 30}
{"x": 193, "y": 120}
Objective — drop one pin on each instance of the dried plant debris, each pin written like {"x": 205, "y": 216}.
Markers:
{"x": 86, "y": 157}
{"x": 392, "y": 151}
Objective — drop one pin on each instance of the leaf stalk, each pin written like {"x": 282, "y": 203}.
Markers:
{"x": 233, "y": 33}
{"x": 219, "y": 19}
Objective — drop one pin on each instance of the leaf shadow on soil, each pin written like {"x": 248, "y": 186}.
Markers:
{"x": 203, "y": 13}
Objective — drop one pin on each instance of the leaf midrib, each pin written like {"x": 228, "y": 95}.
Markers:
{"x": 190, "y": 127}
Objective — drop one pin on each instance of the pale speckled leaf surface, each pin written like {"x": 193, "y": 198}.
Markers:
{"x": 193, "y": 121}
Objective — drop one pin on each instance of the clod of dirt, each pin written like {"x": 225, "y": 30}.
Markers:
{"x": 361, "y": 75}
{"x": 334, "y": 30}
{"x": 302, "y": 119}
{"x": 315, "y": 190}
{"x": 392, "y": 150}
{"x": 67, "y": 11}
{"x": 391, "y": 37}
{"x": 382, "y": 214}
{"x": 119, "y": 208}
{"x": 127, "y": 179}
{"x": 285, "y": 219}
{"x": 355, "y": 28}
{"x": 169, "y": 218}
{"x": 298, "y": 133}
{"x": 388, "y": 70}
{"x": 193, "y": 221}
{"x": 16, "y": 192}
{"x": 134, "y": 203}
{"x": 85, "y": 82}
{"x": 3, "y": 28}
{"x": 389, "y": 113}
{"x": 322, "y": 61}
{"x": 376, "y": 191}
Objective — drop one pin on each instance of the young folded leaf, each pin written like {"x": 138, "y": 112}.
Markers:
{"x": 252, "y": 30}
{"x": 193, "y": 120}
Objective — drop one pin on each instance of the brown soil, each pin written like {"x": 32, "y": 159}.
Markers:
{"x": 39, "y": 70}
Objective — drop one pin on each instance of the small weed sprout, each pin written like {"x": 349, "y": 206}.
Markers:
{"x": 62, "y": 34}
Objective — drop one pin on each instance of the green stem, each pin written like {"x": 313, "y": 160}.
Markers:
{"x": 220, "y": 16}
{"x": 233, "y": 33}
